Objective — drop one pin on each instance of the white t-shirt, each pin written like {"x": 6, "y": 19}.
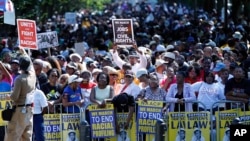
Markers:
{"x": 208, "y": 94}
{"x": 40, "y": 101}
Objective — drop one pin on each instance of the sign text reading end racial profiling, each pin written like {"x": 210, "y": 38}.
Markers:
{"x": 148, "y": 113}
{"x": 102, "y": 123}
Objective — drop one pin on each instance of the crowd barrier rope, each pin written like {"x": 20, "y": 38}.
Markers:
{"x": 100, "y": 124}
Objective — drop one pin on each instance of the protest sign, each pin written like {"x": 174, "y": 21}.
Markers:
{"x": 197, "y": 126}
{"x": 223, "y": 121}
{"x": 27, "y": 35}
{"x": 123, "y": 31}
{"x": 125, "y": 135}
{"x": 102, "y": 121}
{"x": 79, "y": 48}
{"x": 185, "y": 125}
{"x": 3, "y": 105}
{"x": 177, "y": 122}
{"x": 147, "y": 115}
{"x": 52, "y": 127}
{"x": 9, "y": 18}
{"x": 245, "y": 117}
{"x": 70, "y": 18}
{"x": 47, "y": 39}
{"x": 70, "y": 124}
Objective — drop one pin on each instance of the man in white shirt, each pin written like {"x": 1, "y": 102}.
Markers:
{"x": 40, "y": 102}
{"x": 130, "y": 87}
{"x": 133, "y": 59}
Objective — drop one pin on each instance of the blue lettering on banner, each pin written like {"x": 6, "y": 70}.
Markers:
{"x": 147, "y": 117}
{"x": 102, "y": 123}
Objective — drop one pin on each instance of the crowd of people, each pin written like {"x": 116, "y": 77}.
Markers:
{"x": 179, "y": 55}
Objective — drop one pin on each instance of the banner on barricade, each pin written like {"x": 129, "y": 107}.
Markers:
{"x": 147, "y": 115}
{"x": 125, "y": 135}
{"x": 245, "y": 117}
{"x": 123, "y": 31}
{"x": 47, "y": 39}
{"x": 189, "y": 126}
{"x": 3, "y": 105}
{"x": 70, "y": 124}
{"x": 177, "y": 126}
{"x": 223, "y": 122}
{"x": 198, "y": 126}
{"x": 52, "y": 127}
{"x": 27, "y": 35}
{"x": 102, "y": 121}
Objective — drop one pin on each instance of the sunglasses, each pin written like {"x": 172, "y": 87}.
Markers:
{"x": 113, "y": 74}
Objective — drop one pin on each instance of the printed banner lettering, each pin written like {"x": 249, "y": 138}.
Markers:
{"x": 102, "y": 121}
{"x": 148, "y": 113}
{"x": 52, "y": 127}
{"x": 70, "y": 126}
{"x": 223, "y": 122}
{"x": 123, "y": 31}
{"x": 27, "y": 35}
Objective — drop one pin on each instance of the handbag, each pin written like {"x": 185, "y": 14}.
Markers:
{"x": 8, "y": 113}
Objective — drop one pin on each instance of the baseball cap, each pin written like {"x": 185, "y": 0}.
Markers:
{"x": 129, "y": 73}
{"x": 74, "y": 78}
{"x": 159, "y": 62}
{"x": 169, "y": 55}
{"x": 219, "y": 66}
{"x": 14, "y": 61}
{"x": 141, "y": 72}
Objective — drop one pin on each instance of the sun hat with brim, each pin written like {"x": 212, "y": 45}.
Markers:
{"x": 72, "y": 65}
{"x": 75, "y": 55}
{"x": 237, "y": 35}
{"x": 141, "y": 72}
{"x": 219, "y": 66}
{"x": 112, "y": 71}
{"x": 24, "y": 63}
{"x": 159, "y": 62}
{"x": 74, "y": 78}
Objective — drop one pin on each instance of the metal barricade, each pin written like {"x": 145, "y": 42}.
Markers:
{"x": 61, "y": 125}
{"x": 222, "y": 118}
{"x": 187, "y": 125}
{"x": 101, "y": 122}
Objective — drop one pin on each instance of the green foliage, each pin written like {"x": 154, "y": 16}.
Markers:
{"x": 44, "y": 9}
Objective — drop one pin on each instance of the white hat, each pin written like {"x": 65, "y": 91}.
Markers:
{"x": 160, "y": 48}
{"x": 96, "y": 71}
{"x": 159, "y": 62}
{"x": 140, "y": 72}
{"x": 169, "y": 55}
{"x": 169, "y": 47}
{"x": 237, "y": 35}
{"x": 74, "y": 78}
{"x": 75, "y": 55}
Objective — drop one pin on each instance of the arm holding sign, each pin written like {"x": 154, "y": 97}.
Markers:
{"x": 118, "y": 61}
{"x": 143, "y": 59}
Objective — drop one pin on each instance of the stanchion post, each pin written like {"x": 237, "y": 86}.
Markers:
{"x": 85, "y": 130}
{"x": 160, "y": 128}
